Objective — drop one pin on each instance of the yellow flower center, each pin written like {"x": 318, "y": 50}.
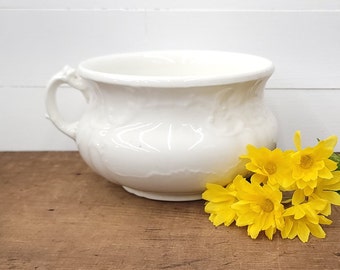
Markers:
{"x": 270, "y": 168}
{"x": 267, "y": 205}
{"x": 306, "y": 162}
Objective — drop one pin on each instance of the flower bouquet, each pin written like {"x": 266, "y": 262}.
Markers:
{"x": 289, "y": 191}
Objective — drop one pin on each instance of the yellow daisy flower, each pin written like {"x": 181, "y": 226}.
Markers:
{"x": 313, "y": 162}
{"x": 290, "y": 191}
{"x": 269, "y": 165}
{"x": 305, "y": 219}
{"x": 258, "y": 207}
{"x": 219, "y": 203}
{"x": 326, "y": 190}
{"x": 303, "y": 228}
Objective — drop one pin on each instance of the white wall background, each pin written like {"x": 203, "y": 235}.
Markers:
{"x": 37, "y": 38}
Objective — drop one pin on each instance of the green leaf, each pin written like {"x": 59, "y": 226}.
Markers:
{"x": 336, "y": 158}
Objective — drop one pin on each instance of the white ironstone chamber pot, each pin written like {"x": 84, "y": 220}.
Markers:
{"x": 162, "y": 124}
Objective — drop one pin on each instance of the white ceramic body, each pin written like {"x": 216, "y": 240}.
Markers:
{"x": 163, "y": 124}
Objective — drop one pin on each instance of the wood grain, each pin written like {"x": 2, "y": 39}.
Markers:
{"x": 55, "y": 213}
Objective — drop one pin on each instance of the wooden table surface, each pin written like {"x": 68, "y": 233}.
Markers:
{"x": 55, "y": 213}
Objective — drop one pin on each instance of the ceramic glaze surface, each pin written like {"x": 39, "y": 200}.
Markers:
{"x": 165, "y": 136}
